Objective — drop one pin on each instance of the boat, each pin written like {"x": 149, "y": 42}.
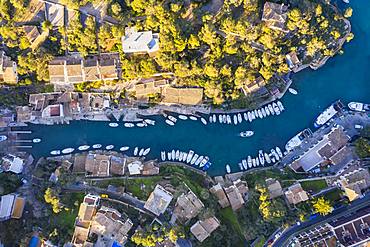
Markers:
{"x": 267, "y": 158}
{"x": 172, "y": 118}
{"x": 249, "y": 117}
{"x": 141, "y": 152}
{"x": 181, "y": 156}
{"x": 273, "y": 152}
{"x": 210, "y": 119}
{"x": 249, "y": 161}
{"x": 263, "y": 112}
{"x": 254, "y": 162}
{"x": 220, "y": 118}
{"x": 247, "y": 133}
{"x": 245, "y": 115}
{"x": 203, "y": 121}
{"x": 204, "y": 161}
{"x": 190, "y": 155}
{"x": 297, "y": 140}
{"x": 228, "y": 118}
{"x": 169, "y": 122}
{"x": 109, "y": 147}
{"x": 357, "y": 106}
{"x": 207, "y": 166}
{"x": 83, "y": 147}
{"x": 253, "y": 115}
{"x": 271, "y": 109}
{"x": 261, "y": 157}
{"x": 193, "y": 118}
{"x": 36, "y": 140}
{"x": 185, "y": 157}
{"x": 163, "y": 155}
{"x": 197, "y": 162}
{"x": 3, "y": 138}
{"x": 55, "y": 152}
{"x": 183, "y": 117}
{"x": 279, "y": 152}
{"x": 267, "y": 111}
{"x": 292, "y": 91}
{"x": 195, "y": 157}
{"x": 214, "y": 118}
{"x": 280, "y": 105}
{"x": 68, "y": 150}
{"x": 257, "y": 162}
{"x": 96, "y": 146}
{"x": 146, "y": 151}
{"x": 259, "y": 113}
{"x": 124, "y": 148}
{"x": 113, "y": 125}
{"x": 136, "y": 150}
{"x": 173, "y": 154}
{"x": 245, "y": 165}
{"x": 276, "y": 108}
{"x": 177, "y": 154}
{"x": 129, "y": 125}
{"x": 328, "y": 114}
{"x": 169, "y": 156}
{"x": 240, "y": 118}
{"x": 140, "y": 125}
{"x": 346, "y": 1}
{"x": 224, "y": 118}
{"x": 235, "y": 120}
{"x": 228, "y": 170}
{"x": 149, "y": 121}
{"x": 272, "y": 157}
{"x": 240, "y": 166}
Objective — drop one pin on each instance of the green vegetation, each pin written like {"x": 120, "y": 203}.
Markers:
{"x": 314, "y": 185}
{"x": 228, "y": 216}
{"x": 322, "y": 206}
{"x": 362, "y": 144}
{"x": 8, "y": 183}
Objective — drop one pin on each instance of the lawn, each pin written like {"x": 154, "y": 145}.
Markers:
{"x": 314, "y": 185}
{"x": 228, "y": 216}
{"x": 334, "y": 195}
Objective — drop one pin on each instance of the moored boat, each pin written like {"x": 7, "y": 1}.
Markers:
{"x": 261, "y": 157}
{"x": 109, "y": 147}
{"x": 197, "y": 162}
{"x": 224, "y": 118}
{"x": 357, "y": 106}
{"x": 163, "y": 155}
{"x": 214, "y": 118}
{"x": 220, "y": 118}
{"x": 68, "y": 150}
{"x": 253, "y": 115}
{"x": 204, "y": 161}
{"x": 125, "y": 148}
{"x": 3, "y": 138}
{"x": 55, "y": 152}
{"x": 271, "y": 109}
{"x": 228, "y": 118}
{"x": 149, "y": 121}
{"x": 207, "y": 166}
{"x": 240, "y": 166}
{"x": 136, "y": 150}
{"x": 113, "y": 125}
{"x": 172, "y": 118}
{"x": 140, "y": 125}
{"x": 203, "y": 121}
{"x": 195, "y": 157}
{"x": 280, "y": 105}
{"x": 267, "y": 158}
{"x": 169, "y": 122}
{"x": 326, "y": 115}
{"x": 293, "y": 91}
{"x": 177, "y": 154}
{"x": 278, "y": 151}
{"x": 245, "y": 165}
{"x": 228, "y": 170}
{"x": 36, "y": 140}
{"x": 185, "y": 157}
{"x": 276, "y": 108}
{"x": 263, "y": 112}
{"x": 183, "y": 117}
{"x": 267, "y": 111}
{"x": 250, "y": 117}
{"x": 181, "y": 156}
{"x": 247, "y": 133}
{"x": 96, "y": 146}
{"x": 146, "y": 151}
{"x": 257, "y": 162}
{"x": 240, "y": 118}
{"x": 259, "y": 113}
{"x": 245, "y": 115}
{"x": 273, "y": 152}
{"x": 235, "y": 120}
{"x": 83, "y": 147}
{"x": 193, "y": 118}
{"x": 173, "y": 154}
{"x": 254, "y": 163}
{"x": 128, "y": 125}
{"x": 190, "y": 155}
{"x": 249, "y": 161}
{"x": 141, "y": 152}
{"x": 210, "y": 119}
{"x": 169, "y": 156}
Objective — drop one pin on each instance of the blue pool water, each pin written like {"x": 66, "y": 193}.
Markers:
{"x": 344, "y": 77}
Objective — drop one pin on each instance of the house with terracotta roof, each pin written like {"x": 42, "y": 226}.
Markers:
{"x": 274, "y": 188}
{"x": 202, "y": 229}
{"x": 233, "y": 195}
{"x": 296, "y": 194}
{"x": 219, "y": 192}
{"x": 183, "y": 96}
{"x": 97, "y": 165}
{"x": 135, "y": 42}
{"x": 275, "y": 16}
{"x": 158, "y": 200}
{"x": 293, "y": 60}
{"x": 187, "y": 206}
{"x": 354, "y": 181}
{"x": 8, "y": 69}
{"x": 253, "y": 86}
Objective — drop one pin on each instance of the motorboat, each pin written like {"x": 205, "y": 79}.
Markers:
{"x": 169, "y": 156}
{"x": 357, "y": 106}
{"x": 183, "y": 117}
{"x": 129, "y": 125}
{"x": 263, "y": 112}
{"x": 163, "y": 155}
{"x": 280, "y": 105}
{"x": 195, "y": 157}
{"x": 240, "y": 166}
{"x": 346, "y": 1}
{"x": 96, "y": 146}
{"x": 83, "y": 147}
{"x": 204, "y": 161}
{"x": 136, "y": 150}
{"x": 113, "y": 125}
{"x": 197, "y": 162}
{"x": 181, "y": 156}
{"x": 173, "y": 154}
{"x": 172, "y": 118}
{"x": 326, "y": 115}
{"x": 245, "y": 165}
{"x": 190, "y": 155}
{"x": 292, "y": 91}
{"x": 207, "y": 166}
{"x": 149, "y": 121}
{"x": 240, "y": 118}
{"x": 250, "y": 117}
{"x": 109, "y": 147}
{"x": 228, "y": 170}
{"x": 245, "y": 115}
{"x": 267, "y": 111}
{"x": 4, "y": 138}
{"x": 55, "y": 152}
{"x": 235, "y": 120}
{"x": 273, "y": 152}
{"x": 276, "y": 108}
{"x": 141, "y": 152}
{"x": 259, "y": 113}
{"x": 272, "y": 157}
{"x": 261, "y": 157}
{"x": 177, "y": 154}
{"x": 203, "y": 121}
{"x": 125, "y": 148}
{"x": 184, "y": 157}
{"x": 214, "y": 118}
{"x": 220, "y": 118}
{"x": 210, "y": 119}
{"x": 193, "y": 118}
{"x": 247, "y": 133}
{"x": 254, "y": 163}
{"x": 267, "y": 158}
{"x": 297, "y": 140}
{"x": 169, "y": 122}
{"x": 228, "y": 118}
{"x": 36, "y": 140}
{"x": 253, "y": 114}
{"x": 141, "y": 125}
{"x": 249, "y": 161}
{"x": 278, "y": 151}
{"x": 224, "y": 118}
{"x": 146, "y": 151}
{"x": 257, "y": 162}
{"x": 68, "y": 150}
{"x": 271, "y": 109}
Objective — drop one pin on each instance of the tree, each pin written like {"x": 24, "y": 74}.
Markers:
{"x": 362, "y": 146}
{"x": 348, "y": 12}
{"x": 322, "y": 206}
{"x": 193, "y": 42}
{"x": 51, "y": 198}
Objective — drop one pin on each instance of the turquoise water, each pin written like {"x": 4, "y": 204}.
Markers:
{"x": 345, "y": 77}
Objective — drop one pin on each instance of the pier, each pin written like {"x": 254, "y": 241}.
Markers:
{"x": 23, "y": 146}
{"x": 22, "y": 132}
{"x": 27, "y": 141}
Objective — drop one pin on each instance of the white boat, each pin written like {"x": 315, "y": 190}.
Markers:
{"x": 280, "y": 105}
{"x": 141, "y": 152}
{"x": 257, "y": 162}
{"x": 279, "y": 152}
{"x": 259, "y": 113}
{"x": 273, "y": 152}
{"x": 172, "y": 118}
{"x": 149, "y": 121}
{"x": 346, "y": 1}
{"x": 249, "y": 161}
{"x": 245, "y": 165}
{"x": 169, "y": 122}
{"x": 267, "y": 111}
{"x": 136, "y": 150}
{"x": 247, "y": 133}
{"x": 125, "y": 148}
{"x": 55, "y": 152}
{"x": 228, "y": 170}
{"x": 109, "y": 147}
{"x": 240, "y": 166}
{"x": 169, "y": 156}
{"x": 146, "y": 151}
{"x": 297, "y": 140}
{"x": 254, "y": 163}
{"x": 245, "y": 115}
{"x": 267, "y": 158}
{"x": 276, "y": 108}
{"x": 183, "y": 117}
{"x": 129, "y": 125}
{"x": 253, "y": 114}
{"x": 203, "y": 121}
{"x": 204, "y": 161}
{"x": 224, "y": 118}
{"x": 240, "y": 118}
{"x": 173, "y": 154}
{"x": 271, "y": 109}
{"x": 193, "y": 118}
{"x": 228, "y": 118}
{"x": 68, "y": 150}
{"x": 293, "y": 91}
{"x": 36, "y": 140}
{"x": 263, "y": 112}
{"x": 163, "y": 155}
{"x": 3, "y": 138}
{"x": 113, "y": 125}
{"x": 96, "y": 146}
{"x": 357, "y": 106}
{"x": 261, "y": 157}
{"x": 140, "y": 125}
{"x": 83, "y": 147}
{"x": 177, "y": 154}
{"x": 185, "y": 156}
{"x": 195, "y": 157}
{"x": 210, "y": 119}
{"x": 249, "y": 117}
{"x": 197, "y": 162}
{"x": 220, "y": 118}
{"x": 214, "y": 118}
{"x": 326, "y": 115}
{"x": 235, "y": 120}
{"x": 190, "y": 155}
{"x": 181, "y": 156}
{"x": 272, "y": 157}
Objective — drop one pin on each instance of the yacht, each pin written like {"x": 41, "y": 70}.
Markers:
{"x": 257, "y": 162}
{"x": 278, "y": 151}
{"x": 267, "y": 111}
{"x": 136, "y": 150}
{"x": 254, "y": 162}
{"x": 141, "y": 152}
{"x": 129, "y": 125}
{"x": 169, "y": 122}
{"x": 235, "y": 120}
{"x": 267, "y": 158}
{"x": 261, "y": 157}
{"x": 68, "y": 150}
{"x": 247, "y": 133}
{"x": 3, "y": 138}
{"x": 146, "y": 151}
{"x": 240, "y": 166}
{"x": 163, "y": 155}
{"x": 177, "y": 154}
{"x": 197, "y": 162}
{"x": 181, "y": 156}
{"x": 276, "y": 108}
{"x": 96, "y": 146}
{"x": 280, "y": 105}
{"x": 83, "y": 147}
{"x": 250, "y": 117}
{"x": 193, "y": 118}
{"x": 293, "y": 91}
{"x": 149, "y": 121}
{"x": 224, "y": 118}
{"x": 183, "y": 117}
{"x": 173, "y": 119}
{"x": 228, "y": 170}
{"x": 195, "y": 157}
{"x": 271, "y": 109}
{"x": 297, "y": 140}
{"x": 263, "y": 112}
{"x": 203, "y": 121}
{"x": 36, "y": 140}
{"x": 326, "y": 115}
{"x": 140, "y": 125}
{"x": 228, "y": 118}
{"x": 245, "y": 165}
{"x": 214, "y": 118}
{"x": 210, "y": 119}
{"x": 55, "y": 152}
{"x": 220, "y": 118}
{"x": 173, "y": 154}
{"x": 245, "y": 115}
{"x": 240, "y": 118}
{"x": 273, "y": 152}
{"x": 190, "y": 155}
{"x": 113, "y": 125}
{"x": 204, "y": 161}
{"x": 109, "y": 147}
{"x": 259, "y": 113}
{"x": 169, "y": 156}
{"x": 125, "y": 148}
{"x": 357, "y": 106}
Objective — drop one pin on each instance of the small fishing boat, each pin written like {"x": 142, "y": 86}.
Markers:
{"x": 204, "y": 161}
{"x": 261, "y": 157}
{"x": 228, "y": 118}
{"x": 228, "y": 170}
{"x": 83, "y": 147}
{"x": 183, "y": 117}
{"x": 249, "y": 117}
{"x": 272, "y": 157}
{"x": 163, "y": 155}
{"x": 184, "y": 157}
{"x": 149, "y": 121}
{"x": 249, "y": 161}
{"x": 271, "y": 109}
{"x": 346, "y": 1}
{"x": 203, "y": 121}
{"x": 124, "y": 148}
{"x": 181, "y": 156}
{"x": 129, "y": 125}
{"x": 109, "y": 147}
{"x": 276, "y": 108}
{"x": 146, "y": 151}
{"x": 136, "y": 150}
{"x": 245, "y": 115}
{"x": 169, "y": 122}
{"x": 172, "y": 118}
{"x": 263, "y": 112}
{"x": 141, "y": 125}
{"x": 197, "y": 162}
{"x": 224, "y": 118}
{"x": 267, "y": 158}
{"x": 3, "y": 138}
{"x": 358, "y": 106}
{"x": 55, "y": 152}
{"x": 267, "y": 111}
{"x": 293, "y": 91}
{"x": 113, "y": 125}
{"x": 193, "y": 118}
{"x": 280, "y": 105}
{"x": 141, "y": 152}
{"x": 235, "y": 120}
{"x": 247, "y": 133}
{"x": 169, "y": 156}
{"x": 207, "y": 166}
{"x": 173, "y": 154}
{"x": 96, "y": 146}
{"x": 257, "y": 162}
{"x": 177, "y": 154}
{"x": 240, "y": 118}
{"x": 245, "y": 165}
{"x": 253, "y": 115}
{"x": 220, "y": 118}
{"x": 240, "y": 166}
{"x": 36, "y": 140}
{"x": 279, "y": 152}
{"x": 195, "y": 157}
{"x": 68, "y": 150}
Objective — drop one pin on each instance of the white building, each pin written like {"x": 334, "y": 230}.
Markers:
{"x": 11, "y": 163}
{"x": 140, "y": 42}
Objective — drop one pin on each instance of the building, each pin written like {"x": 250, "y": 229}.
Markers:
{"x": 97, "y": 165}
{"x": 135, "y": 167}
{"x": 253, "y": 86}
{"x": 150, "y": 168}
{"x": 219, "y": 192}
{"x": 11, "y": 163}
{"x": 187, "y": 207}
{"x": 233, "y": 195}
{"x": 295, "y": 194}
{"x": 55, "y": 14}
{"x": 144, "y": 90}
{"x": 236, "y": 198}
{"x": 353, "y": 181}
{"x": 140, "y": 42}
{"x": 32, "y": 33}
{"x": 274, "y": 188}
{"x": 158, "y": 200}
{"x": 183, "y": 96}
{"x": 293, "y": 60}
{"x": 275, "y": 15}
{"x": 11, "y": 206}
{"x": 8, "y": 69}
{"x": 202, "y": 229}
{"x": 117, "y": 165}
